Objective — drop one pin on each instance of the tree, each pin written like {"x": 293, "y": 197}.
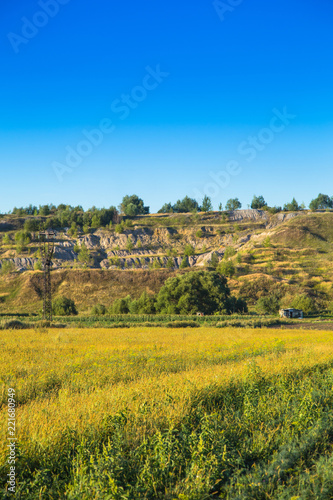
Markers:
{"x": 84, "y": 255}
{"x": 31, "y": 225}
{"x": 170, "y": 263}
{"x": 22, "y": 238}
{"x": 214, "y": 260}
{"x": 44, "y": 210}
{"x": 220, "y": 207}
{"x": 186, "y": 205}
{"x": 189, "y": 250}
{"x": 133, "y": 205}
{"x": 121, "y": 306}
{"x": 63, "y": 306}
{"x": 198, "y": 291}
{"x": 7, "y": 267}
{"x": 166, "y": 209}
{"x": 233, "y": 204}
{"x": 206, "y": 204}
{"x": 293, "y": 206}
{"x": 258, "y": 202}
{"x": 145, "y": 304}
{"x": 303, "y": 302}
{"x": 322, "y": 202}
{"x": 229, "y": 252}
{"x": 184, "y": 263}
{"x": 6, "y": 239}
{"x": 269, "y": 304}
{"x": 227, "y": 268}
{"x": 235, "y": 305}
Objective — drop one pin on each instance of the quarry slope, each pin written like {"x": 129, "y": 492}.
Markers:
{"x": 289, "y": 249}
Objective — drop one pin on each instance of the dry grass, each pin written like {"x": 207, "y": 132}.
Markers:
{"x": 73, "y": 378}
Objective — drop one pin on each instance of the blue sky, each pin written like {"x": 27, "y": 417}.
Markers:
{"x": 165, "y": 99}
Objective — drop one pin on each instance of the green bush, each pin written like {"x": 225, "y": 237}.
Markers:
{"x": 305, "y": 303}
{"x": 184, "y": 263}
{"x": 22, "y": 239}
{"x": 63, "y": 306}
{"x": 226, "y": 268}
{"x": 98, "y": 310}
{"x": 7, "y": 267}
{"x": 38, "y": 266}
{"x": 121, "y": 306}
{"x": 229, "y": 252}
{"x": 189, "y": 250}
{"x": 269, "y": 304}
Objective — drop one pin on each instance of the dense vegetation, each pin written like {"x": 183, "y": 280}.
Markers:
{"x": 163, "y": 414}
{"x": 132, "y": 205}
{"x": 191, "y": 293}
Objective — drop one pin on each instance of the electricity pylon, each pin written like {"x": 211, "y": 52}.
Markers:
{"x": 47, "y": 249}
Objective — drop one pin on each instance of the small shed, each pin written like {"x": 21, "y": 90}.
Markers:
{"x": 291, "y": 313}
{"x": 200, "y": 314}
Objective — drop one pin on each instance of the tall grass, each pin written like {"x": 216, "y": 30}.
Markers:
{"x": 144, "y": 413}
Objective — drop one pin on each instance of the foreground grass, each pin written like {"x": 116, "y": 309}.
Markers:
{"x": 187, "y": 414}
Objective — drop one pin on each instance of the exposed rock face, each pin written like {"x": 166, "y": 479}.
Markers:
{"x": 282, "y": 217}
{"x": 251, "y": 214}
{"x": 64, "y": 253}
{"x": 143, "y": 247}
{"x": 21, "y": 263}
{"x": 205, "y": 258}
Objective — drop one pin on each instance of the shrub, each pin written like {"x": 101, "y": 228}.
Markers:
{"x": 184, "y": 263}
{"x": 129, "y": 244}
{"x": 199, "y": 233}
{"x": 305, "y": 303}
{"x": 267, "y": 242}
{"x": 119, "y": 228}
{"x": 145, "y": 304}
{"x": 84, "y": 255}
{"x": 63, "y": 306}
{"x": 98, "y": 310}
{"x": 121, "y": 306}
{"x": 189, "y": 250}
{"x": 38, "y": 266}
{"x": 214, "y": 260}
{"x": 226, "y": 268}
{"x": 7, "y": 267}
{"x": 229, "y": 252}
{"x": 293, "y": 206}
{"x": 269, "y": 304}
{"x": 22, "y": 238}
{"x": 170, "y": 263}
{"x": 6, "y": 239}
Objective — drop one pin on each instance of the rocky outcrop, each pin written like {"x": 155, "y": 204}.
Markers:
{"x": 21, "y": 263}
{"x": 251, "y": 214}
{"x": 281, "y": 218}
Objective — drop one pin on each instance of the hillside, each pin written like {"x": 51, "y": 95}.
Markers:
{"x": 289, "y": 251}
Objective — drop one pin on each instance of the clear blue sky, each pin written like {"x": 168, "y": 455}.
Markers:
{"x": 187, "y": 88}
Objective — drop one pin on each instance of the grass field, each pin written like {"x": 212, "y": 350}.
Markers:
{"x": 162, "y": 413}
